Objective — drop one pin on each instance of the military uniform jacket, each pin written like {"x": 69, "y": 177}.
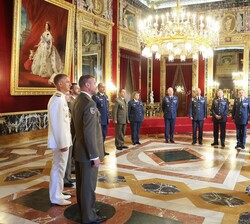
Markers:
{"x": 135, "y": 111}
{"x": 120, "y": 111}
{"x": 71, "y": 103}
{"x": 169, "y": 107}
{"x": 241, "y": 110}
{"x": 198, "y": 108}
{"x": 59, "y": 135}
{"x": 88, "y": 141}
{"x": 220, "y": 107}
{"x": 102, "y": 103}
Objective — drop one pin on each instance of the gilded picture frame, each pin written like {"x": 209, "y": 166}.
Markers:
{"x": 42, "y": 45}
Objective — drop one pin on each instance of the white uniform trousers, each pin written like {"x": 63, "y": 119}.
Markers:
{"x": 57, "y": 174}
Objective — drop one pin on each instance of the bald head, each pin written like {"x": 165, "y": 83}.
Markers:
{"x": 170, "y": 91}
{"x": 197, "y": 91}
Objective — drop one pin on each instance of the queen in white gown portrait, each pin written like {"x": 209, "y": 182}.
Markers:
{"x": 46, "y": 62}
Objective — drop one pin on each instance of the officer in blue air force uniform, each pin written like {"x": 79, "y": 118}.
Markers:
{"x": 102, "y": 104}
{"x": 169, "y": 108}
{"x": 219, "y": 111}
{"x": 241, "y": 109}
{"x": 135, "y": 116}
{"x": 198, "y": 113}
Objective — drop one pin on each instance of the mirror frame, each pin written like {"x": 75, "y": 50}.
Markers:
{"x": 245, "y": 69}
{"x": 88, "y": 21}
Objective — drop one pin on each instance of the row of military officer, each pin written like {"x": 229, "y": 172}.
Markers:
{"x": 133, "y": 113}
{"x": 198, "y": 113}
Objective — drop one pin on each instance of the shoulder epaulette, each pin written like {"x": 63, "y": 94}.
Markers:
{"x": 89, "y": 98}
{"x": 58, "y": 94}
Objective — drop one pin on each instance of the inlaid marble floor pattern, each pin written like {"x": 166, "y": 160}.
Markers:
{"x": 151, "y": 183}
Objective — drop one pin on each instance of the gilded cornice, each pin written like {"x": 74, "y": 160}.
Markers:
{"x": 129, "y": 40}
{"x": 94, "y": 22}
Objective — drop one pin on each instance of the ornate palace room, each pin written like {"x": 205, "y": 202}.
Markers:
{"x": 145, "y": 46}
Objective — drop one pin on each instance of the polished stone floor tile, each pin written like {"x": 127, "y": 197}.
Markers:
{"x": 154, "y": 182}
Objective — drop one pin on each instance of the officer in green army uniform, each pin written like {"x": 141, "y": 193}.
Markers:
{"x": 87, "y": 149}
{"x": 120, "y": 119}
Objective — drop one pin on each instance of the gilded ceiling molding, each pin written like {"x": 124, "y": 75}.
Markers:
{"x": 128, "y": 27}
{"x": 101, "y": 8}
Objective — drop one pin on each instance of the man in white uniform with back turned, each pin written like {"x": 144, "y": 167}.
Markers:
{"x": 59, "y": 138}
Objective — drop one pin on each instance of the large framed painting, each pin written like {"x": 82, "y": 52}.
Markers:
{"x": 42, "y": 45}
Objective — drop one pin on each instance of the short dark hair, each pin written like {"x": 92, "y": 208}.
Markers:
{"x": 100, "y": 84}
{"x": 121, "y": 90}
{"x": 84, "y": 79}
{"x": 58, "y": 78}
{"x": 72, "y": 85}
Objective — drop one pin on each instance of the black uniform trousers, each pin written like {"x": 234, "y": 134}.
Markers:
{"x": 241, "y": 132}
{"x": 222, "y": 126}
{"x": 197, "y": 124}
{"x": 86, "y": 177}
{"x": 135, "y": 129}
{"x": 104, "y": 131}
{"x": 169, "y": 128}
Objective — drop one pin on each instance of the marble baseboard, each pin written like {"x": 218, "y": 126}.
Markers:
{"x": 24, "y": 137}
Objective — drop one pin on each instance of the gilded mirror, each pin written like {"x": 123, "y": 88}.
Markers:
{"x": 228, "y": 69}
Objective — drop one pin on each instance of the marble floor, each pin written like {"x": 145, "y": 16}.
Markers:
{"x": 151, "y": 183}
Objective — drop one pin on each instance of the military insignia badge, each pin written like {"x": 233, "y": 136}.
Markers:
{"x": 92, "y": 110}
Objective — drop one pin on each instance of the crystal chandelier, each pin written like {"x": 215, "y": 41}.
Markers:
{"x": 178, "y": 35}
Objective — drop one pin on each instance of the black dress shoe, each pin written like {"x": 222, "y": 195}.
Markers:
{"x": 125, "y": 147}
{"x": 106, "y": 154}
{"x": 172, "y": 141}
{"x": 68, "y": 185}
{"x": 193, "y": 143}
{"x": 200, "y": 142}
{"x": 138, "y": 143}
{"x": 119, "y": 148}
{"x": 134, "y": 143}
{"x": 237, "y": 147}
{"x": 214, "y": 144}
{"x": 72, "y": 181}
{"x": 223, "y": 144}
{"x": 100, "y": 220}
{"x": 167, "y": 141}
{"x": 242, "y": 146}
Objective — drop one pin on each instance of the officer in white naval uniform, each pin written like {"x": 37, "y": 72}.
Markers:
{"x": 59, "y": 138}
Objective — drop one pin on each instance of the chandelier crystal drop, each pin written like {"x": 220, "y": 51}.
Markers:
{"x": 178, "y": 35}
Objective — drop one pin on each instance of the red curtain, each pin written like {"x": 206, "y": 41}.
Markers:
{"x": 128, "y": 58}
{"x": 38, "y": 13}
{"x": 170, "y": 73}
{"x": 187, "y": 75}
{"x": 136, "y": 72}
{"x": 123, "y": 71}
{"x": 186, "y": 68}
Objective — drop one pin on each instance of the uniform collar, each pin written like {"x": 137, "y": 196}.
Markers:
{"x": 57, "y": 91}
{"x": 86, "y": 93}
